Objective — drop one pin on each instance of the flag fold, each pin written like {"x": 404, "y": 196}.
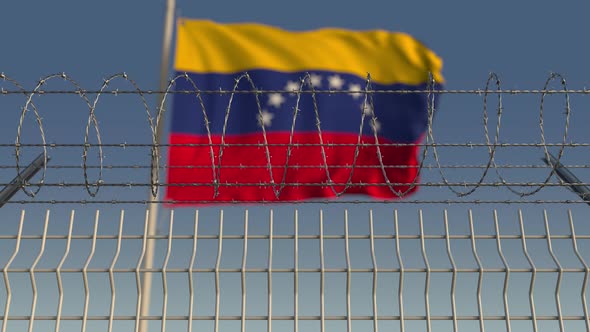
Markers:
{"x": 284, "y": 116}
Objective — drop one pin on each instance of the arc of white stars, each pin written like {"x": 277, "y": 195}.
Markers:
{"x": 335, "y": 82}
{"x": 367, "y": 109}
{"x": 276, "y": 99}
{"x": 292, "y": 87}
{"x": 265, "y": 119}
{"x": 369, "y": 112}
{"x": 316, "y": 80}
{"x": 355, "y": 90}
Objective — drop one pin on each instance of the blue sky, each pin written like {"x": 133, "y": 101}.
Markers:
{"x": 523, "y": 42}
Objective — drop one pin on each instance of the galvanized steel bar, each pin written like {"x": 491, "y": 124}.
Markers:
{"x": 5, "y": 272}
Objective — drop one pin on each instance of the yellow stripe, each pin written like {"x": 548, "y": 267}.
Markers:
{"x": 208, "y": 47}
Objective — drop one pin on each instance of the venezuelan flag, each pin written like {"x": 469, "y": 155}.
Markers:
{"x": 238, "y": 144}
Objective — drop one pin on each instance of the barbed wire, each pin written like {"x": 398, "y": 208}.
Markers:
{"x": 426, "y": 166}
{"x": 306, "y": 184}
{"x": 91, "y": 99}
{"x": 299, "y": 202}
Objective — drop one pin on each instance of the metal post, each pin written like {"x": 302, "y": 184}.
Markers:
{"x": 12, "y": 188}
{"x": 153, "y": 207}
{"x": 569, "y": 178}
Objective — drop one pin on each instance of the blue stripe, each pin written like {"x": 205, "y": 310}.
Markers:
{"x": 402, "y": 117}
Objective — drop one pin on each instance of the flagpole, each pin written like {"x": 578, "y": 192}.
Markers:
{"x": 153, "y": 206}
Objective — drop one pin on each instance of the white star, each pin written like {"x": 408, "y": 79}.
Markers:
{"x": 367, "y": 109}
{"x": 292, "y": 87}
{"x": 276, "y": 99}
{"x": 355, "y": 90}
{"x": 376, "y": 125}
{"x": 316, "y": 80}
{"x": 265, "y": 119}
{"x": 336, "y": 82}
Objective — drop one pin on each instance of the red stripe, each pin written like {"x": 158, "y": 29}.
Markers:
{"x": 300, "y": 156}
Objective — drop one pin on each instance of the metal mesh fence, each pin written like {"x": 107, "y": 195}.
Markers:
{"x": 256, "y": 275}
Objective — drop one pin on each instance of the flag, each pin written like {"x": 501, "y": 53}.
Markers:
{"x": 290, "y": 144}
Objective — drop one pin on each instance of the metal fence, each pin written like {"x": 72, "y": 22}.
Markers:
{"x": 329, "y": 281}
{"x": 504, "y": 247}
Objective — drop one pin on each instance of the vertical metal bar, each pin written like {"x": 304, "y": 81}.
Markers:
{"x": 296, "y": 272}
{"x": 190, "y": 274}
{"x": 586, "y": 268}
{"x": 375, "y": 271}
{"x": 427, "y": 281}
{"x": 534, "y": 274}
{"x": 480, "y": 268}
{"x": 32, "y": 272}
{"x": 243, "y": 273}
{"x": 217, "y": 266}
{"x": 454, "y": 268}
{"x": 7, "y": 267}
{"x": 58, "y": 274}
{"x": 322, "y": 274}
{"x": 148, "y": 263}
{"x": 164, "y": 64}
{"x": 153, "y": 206}
{"x": 560, "y": 273}
{"x": 112, "y": 274}
{"x": 507, "y": 274}
{"x": 348, "y": 273}
{"x": 85, "y": 272}
{"x": 137, "y": 271}
{"x": 270, "y": 232}
{"x": 164, "y": 269}
{"x": 401, "y": 274}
